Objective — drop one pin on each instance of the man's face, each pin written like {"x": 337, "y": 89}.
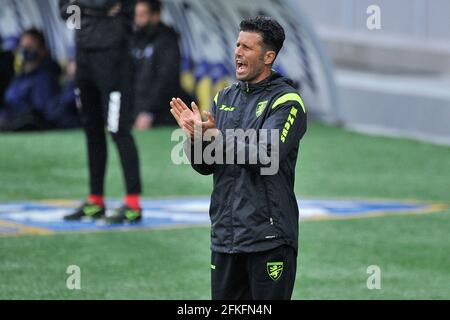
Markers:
{"x": 30, "y": 44}
{"x": 143, "y": 16}
{"x": 249, "y": 57}
{"x": 32, "y": 52}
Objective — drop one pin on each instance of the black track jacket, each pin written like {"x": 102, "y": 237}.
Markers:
{"x": 251, "y": 212}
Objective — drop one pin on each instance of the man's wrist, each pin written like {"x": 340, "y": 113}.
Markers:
{"x": 211, "y": 133}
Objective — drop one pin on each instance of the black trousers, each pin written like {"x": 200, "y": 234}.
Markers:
{"x": 104, "y": 95}
{"x": 267, "y": 275}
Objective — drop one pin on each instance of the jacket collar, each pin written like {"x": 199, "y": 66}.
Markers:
{"x": 262, "y": 85}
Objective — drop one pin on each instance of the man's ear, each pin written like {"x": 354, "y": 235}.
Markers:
{"x": 269, "y": 57}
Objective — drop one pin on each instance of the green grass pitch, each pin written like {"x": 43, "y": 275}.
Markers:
{"x": 411, "y": 250}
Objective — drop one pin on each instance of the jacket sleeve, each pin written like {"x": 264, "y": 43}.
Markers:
{"x": 287, "y": 120}
{"x": 42, "y": 94}
{"x": 153, "y": 100}
{"x": 198, "y": 163}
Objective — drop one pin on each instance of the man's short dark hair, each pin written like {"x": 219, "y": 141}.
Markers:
{"x": 270, "y": 30}
{"x": 154, "y": 5}
{"x": 37, "y": 35}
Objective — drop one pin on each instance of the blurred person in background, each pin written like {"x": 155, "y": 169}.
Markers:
{"x": 26, "y": 98}
{"x": 65, "y": 114}
{"x": 103, "y": 81}
{"x": 156, "y": 57}
{"x": 6, "y": 68}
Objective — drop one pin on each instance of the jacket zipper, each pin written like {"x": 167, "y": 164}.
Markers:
{"x": 236, "y": 173}
{"x": 268, "y": 203}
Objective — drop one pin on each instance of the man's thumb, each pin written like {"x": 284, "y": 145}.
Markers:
{"x": 195, "y": 108}
{"x": 209, "y": 115}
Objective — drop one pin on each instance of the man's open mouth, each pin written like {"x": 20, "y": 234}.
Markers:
{"x": 240, "y": 66}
